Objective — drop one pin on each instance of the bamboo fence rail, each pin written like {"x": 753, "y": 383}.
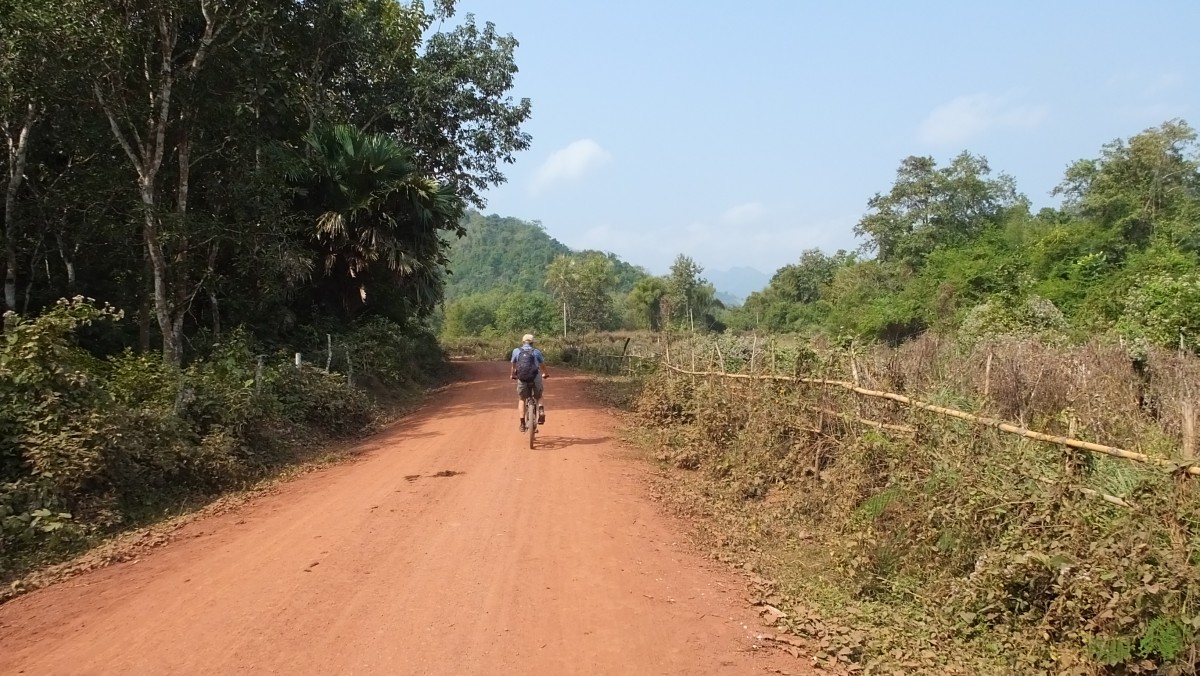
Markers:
{"x": 985, "y": 421}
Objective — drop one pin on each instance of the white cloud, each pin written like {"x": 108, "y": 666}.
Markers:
{"x": 744, "y": 214}
{"x": 569, "y": 164}
{"x": 968, "y": 116}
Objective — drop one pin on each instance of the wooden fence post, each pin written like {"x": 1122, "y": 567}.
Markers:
{"x": 987, "y": 375}
{"x": 1189, "y": 430}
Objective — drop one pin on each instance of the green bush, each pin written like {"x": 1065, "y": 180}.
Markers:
{"x": 1164, "y": 310}
{"x": 320, "y": 399}
{"x": 1033, "y": 317}
{"x": 395, "y": 355}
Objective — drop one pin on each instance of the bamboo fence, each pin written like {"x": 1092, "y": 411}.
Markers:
{"x": 985, "y": 421}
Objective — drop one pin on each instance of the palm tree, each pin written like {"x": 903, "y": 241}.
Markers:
{"x": 647, "y": 296}
{"x": 377, "y": 218}
{"x": 706, "y": 304}
{"x": 562, "y": 278}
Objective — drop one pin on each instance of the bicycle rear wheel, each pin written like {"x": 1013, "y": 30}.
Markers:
{"x": 531, "y": 420}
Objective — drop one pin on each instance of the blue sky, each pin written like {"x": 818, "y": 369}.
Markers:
{"x": 743, "y": 133}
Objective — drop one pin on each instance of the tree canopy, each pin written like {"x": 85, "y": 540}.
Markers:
{"x": 206, "y": 164}
{"x": 1120, "y": 254}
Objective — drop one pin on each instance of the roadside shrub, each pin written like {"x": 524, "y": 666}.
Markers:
{"x": 320, "y": 399}
{"x": 396, "y": 355}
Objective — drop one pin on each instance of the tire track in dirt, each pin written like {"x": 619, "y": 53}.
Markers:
{"x": 512, "y": 561}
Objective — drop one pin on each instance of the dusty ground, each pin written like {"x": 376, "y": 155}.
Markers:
{"x": 447, "y": 548}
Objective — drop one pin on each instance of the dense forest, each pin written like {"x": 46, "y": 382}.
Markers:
{"x": 193, "y": 192}
{"x": 201, "y": 165}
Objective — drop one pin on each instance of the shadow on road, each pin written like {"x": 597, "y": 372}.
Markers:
{"x": 558, "y": 443}
{"x": 392, "y": 437}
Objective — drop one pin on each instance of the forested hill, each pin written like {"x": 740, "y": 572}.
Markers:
{"x": 500, "y": 252}
{"x": 504, "y": 253}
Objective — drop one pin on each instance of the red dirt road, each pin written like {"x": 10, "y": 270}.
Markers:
{"x": 550, "y": 561}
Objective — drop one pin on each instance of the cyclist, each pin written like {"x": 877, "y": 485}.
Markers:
{"x": 528, "y": 369}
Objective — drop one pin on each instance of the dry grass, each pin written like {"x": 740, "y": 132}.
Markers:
{"x": 958, "y": 537}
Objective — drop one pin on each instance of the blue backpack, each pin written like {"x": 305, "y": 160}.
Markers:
{"x": 527, "y": 365}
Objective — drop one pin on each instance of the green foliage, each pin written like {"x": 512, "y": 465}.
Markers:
{"x": 1164, "y": 311}
{"x": 1165, "y": 638}
{"x": 470, "y": 315}
{"x": 322, "y": 400}
{"x": 583, "y": 286}
{"x": 50, "y": 426}
{"x": 929, "y": 207}
{"x": 1109, "y": 651}
{"x": 501, "y": 272}
{"x": 500, "y": 253}
{"x": 646, "y": 302}
{"x": 397, "y": 356}
{"x": 502, "y": 314}
{"x": 521, "y": 313}
{"x": 311, "y": 134}
{"x": 955, "y": 247}
{"x": 1032, "y": 317}
{"x": 376, "y": 220}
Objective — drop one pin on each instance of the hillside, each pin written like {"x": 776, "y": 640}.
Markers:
{"x": 499, "y": 252}
{"x": 737, "y": 283}
{"x": 505, "y": 253}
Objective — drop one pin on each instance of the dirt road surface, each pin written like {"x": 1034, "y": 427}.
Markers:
{"x": 447, "y": 547}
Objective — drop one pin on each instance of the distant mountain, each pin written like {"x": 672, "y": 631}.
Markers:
{"x": 730, "y": 300}
{"x": 502, "y": 253}
{"x": 737, "y": 282}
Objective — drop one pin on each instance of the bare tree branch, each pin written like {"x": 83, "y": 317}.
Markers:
{"x": 116, "y": 130}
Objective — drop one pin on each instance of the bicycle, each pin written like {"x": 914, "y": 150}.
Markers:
{"x": 531, "y": 414}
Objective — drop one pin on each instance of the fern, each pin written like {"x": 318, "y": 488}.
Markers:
{"x": 874, "y": 506}
{"x": 1166, "y": 637}
{"x": 1110, "y": 651}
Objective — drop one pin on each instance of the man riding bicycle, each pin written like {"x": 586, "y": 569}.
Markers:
{"x": 528, "y": 369}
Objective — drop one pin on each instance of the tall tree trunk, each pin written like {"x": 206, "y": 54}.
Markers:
{"x": 212, "y": 290}
{"x": 147, "y": 159}
{"x": 18, "y": 152}
{"x": 68, "y": 263}
{"x": 216, "y": 314}
{"x": 33, "y": 267}
{"x": 10, "y": 274}
{"x": 146, "y": 309}
{"x": 160, "y": 274}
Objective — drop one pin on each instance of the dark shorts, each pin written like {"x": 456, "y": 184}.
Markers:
{"x": 523, "y": 387}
